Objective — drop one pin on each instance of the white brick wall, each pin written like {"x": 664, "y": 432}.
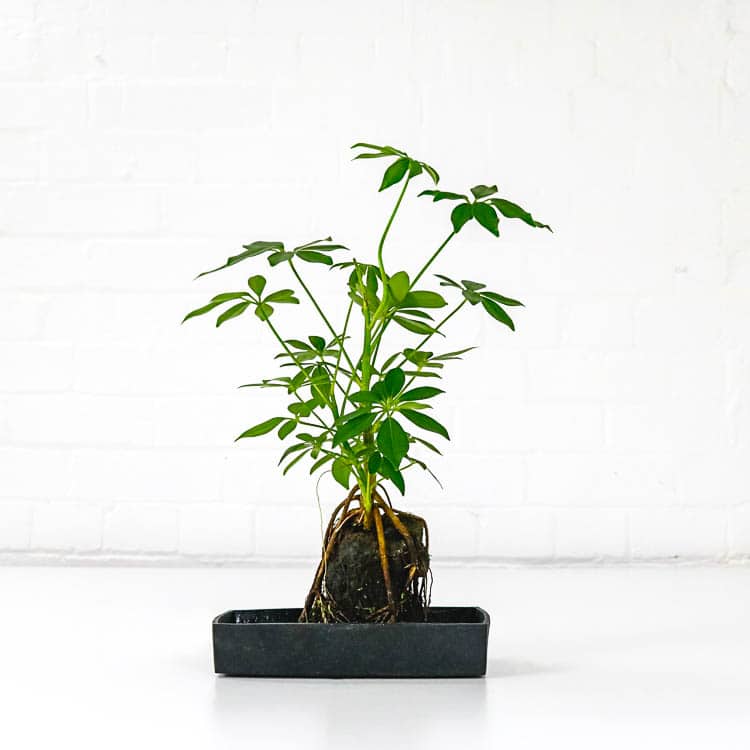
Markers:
{"x": 141, "y": 142}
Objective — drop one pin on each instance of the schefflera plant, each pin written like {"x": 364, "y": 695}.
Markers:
{"x": 356, "y": 408}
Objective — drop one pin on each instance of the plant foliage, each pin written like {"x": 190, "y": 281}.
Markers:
{"x": 353, "y": 409}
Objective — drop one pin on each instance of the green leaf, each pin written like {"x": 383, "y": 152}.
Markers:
{"x": 415, "y": 168}
{"x": 226, "y": 296}
{"x": 367, "y": 145}
{"x": 311, "y": 256}
{"x": 256, "y": 248}
{"x": 447, "y": 282}
{"x": 395, "y": 173}
{"x": 388, "y": 150}
{"x": 471, "y": 297}
{"x": 460, "y": 215}
{"x": 283, "y": 296}
{"x": 453, "y": 355}
{"x": 202, "y": 310}
{"x": 358, "y": 412}
{"x": 322, "y": 248}
{"x": 487, "y": 217}
{"x": 393, "y": 381}
{"x": 425, "y": 422}
{"x": 399, "y": 285}
{"x": 424, "y": 299}
{"x": 257, "y": 284}
{"x": 286, "y": 428}
{"x": 502, "y": 300}
{"x": 392, "y": 441}
{"x": 472, "y": 285}
{"x": 421, "y": 393}
{"x": 341, "y": 471}
{"x": 232, "y": 312}
{"x": 262, "y": 428}
{"x": 299, "y": 409}
{"x": 430, "y": 446}
{"x": 291, "y": 449}
{"x": 482, "y": 191}
{"x": 497, "y": 313}
{"x": 277, "y": 258}
{"x": 418, "y": 405}
{"x": 294, "y": 461}
{"x": 415, "y": 326}
{"x": 353, "y": 428}
{"x": 318, "y": 342}
{"x": 419, "y": 358}
{"x": 373, "y": 463}
{"x": 416, "y": 313}
{"x": 297, "y": 344}
{"x": 378, "y": 390}
{"x": 513, "y": 211}
{"x": 264, "y": 311}
{"x": 442, "y": 195}
{"x": 372, "y": 279}
{"x": 363, "y": 397}
{"x": 432, "y": 172}
{"x": 320, "y": 462}
{"x": 377, "y": 155}
{"x": 391, "y": 472}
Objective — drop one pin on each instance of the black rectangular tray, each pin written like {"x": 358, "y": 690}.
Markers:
{"x": 271, "y": 643}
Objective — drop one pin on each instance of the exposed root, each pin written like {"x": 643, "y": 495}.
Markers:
{"x": 385, "y": 492}
{"x": 384, "y": 564}
{"x": 396, "y": 521}
{"x": 331, "y": 536}
{"x": 406, "y": 595}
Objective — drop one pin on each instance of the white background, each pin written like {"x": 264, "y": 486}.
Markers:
{"x": 143, "y": 142}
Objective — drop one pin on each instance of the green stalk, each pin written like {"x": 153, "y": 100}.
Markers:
{"x": 432, "y": 258}
{"x": 388, "y": 229}
{"x": 320, "y": 312}
{"x": 437, "y": 252}
{"x": 366, "y": 491}
{"x": 338, "y": 359}
{"x": 367, "y": 353}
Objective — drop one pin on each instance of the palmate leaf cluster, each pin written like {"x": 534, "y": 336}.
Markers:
{"x": 356, "y": 410}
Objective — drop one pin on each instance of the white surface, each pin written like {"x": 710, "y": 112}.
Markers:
{"x": 143, "y": 142}
{"x": 579, "y": 658}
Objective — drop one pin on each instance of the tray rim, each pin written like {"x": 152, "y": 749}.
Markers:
{"x": 483, "y": 622}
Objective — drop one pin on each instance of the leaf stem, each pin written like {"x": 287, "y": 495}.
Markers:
{"x": 387, "y": 229}
{"x": 338, "y": 359}
{"x": 432, "y": 258}
{"x": 320, "y": 312}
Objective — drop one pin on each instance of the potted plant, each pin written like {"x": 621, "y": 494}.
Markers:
{"x": 363, "y": 412}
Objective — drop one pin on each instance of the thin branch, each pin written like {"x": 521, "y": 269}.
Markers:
{"x": 321, "y": 313}
{"x": 297, "y": 362}
{"x": 338, "y": 359}
{"x": 432, "y": 258}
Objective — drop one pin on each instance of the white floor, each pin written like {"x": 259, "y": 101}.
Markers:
{"x": 581, "y": 658}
